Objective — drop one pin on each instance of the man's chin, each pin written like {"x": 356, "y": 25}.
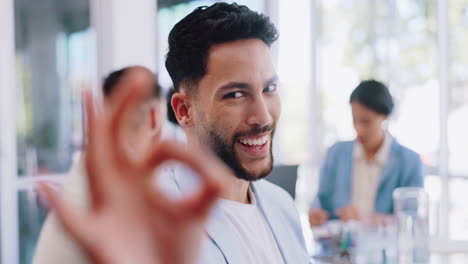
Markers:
{"x": 255, "y": 174}
{"x": 252, "y": 170}
{"x": 259, "y": 176}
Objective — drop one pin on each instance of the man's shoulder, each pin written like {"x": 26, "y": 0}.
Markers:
{"x": 269, "y": 188}
{"x": 272, "y": 193}
{"x": 280, "y": 210}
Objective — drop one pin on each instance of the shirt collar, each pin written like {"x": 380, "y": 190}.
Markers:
{"x": 253, "y": 201}
{"x": 382, "y": 154}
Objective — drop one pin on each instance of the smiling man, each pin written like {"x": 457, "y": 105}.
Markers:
{"x": 226, "y": 98}
{"x": 237, "y": 106}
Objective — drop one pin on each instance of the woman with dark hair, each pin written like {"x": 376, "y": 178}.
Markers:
{"x": 358, "y": 177}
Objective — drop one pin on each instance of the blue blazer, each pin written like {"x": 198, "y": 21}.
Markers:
{"x": 220, "y": 243}
{"x": 403, "y": 169}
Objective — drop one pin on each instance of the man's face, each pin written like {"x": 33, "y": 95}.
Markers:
{"x": 237, "y": 106}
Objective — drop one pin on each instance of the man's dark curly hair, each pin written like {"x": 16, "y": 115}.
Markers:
{"x": 191, "y": 38}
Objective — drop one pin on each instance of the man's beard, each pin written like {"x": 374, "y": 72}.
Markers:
{"x": 226, "y": 152}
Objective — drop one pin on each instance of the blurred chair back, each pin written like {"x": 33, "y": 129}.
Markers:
{"x": 285, "y": 176}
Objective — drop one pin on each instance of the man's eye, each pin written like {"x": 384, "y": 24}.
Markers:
{"x": 270, "y": 88}
{"x": 233, "y": 95}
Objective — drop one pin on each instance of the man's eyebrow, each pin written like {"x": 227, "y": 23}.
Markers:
{"x": 243, "y": 85}
{"x": 239, "y": 85}
{"x": 272, "y": 80}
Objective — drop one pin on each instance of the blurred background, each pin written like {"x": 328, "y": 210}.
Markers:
{"x": 50, "y": 50}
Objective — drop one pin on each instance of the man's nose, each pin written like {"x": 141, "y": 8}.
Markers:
{"x": 259, "y": 113}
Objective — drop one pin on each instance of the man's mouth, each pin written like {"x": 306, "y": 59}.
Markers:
{"x": 255, "y": 146}
{"x": 254, "y": 142}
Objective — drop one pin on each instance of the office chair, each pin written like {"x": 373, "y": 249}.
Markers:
{"x": 285, "y": 176}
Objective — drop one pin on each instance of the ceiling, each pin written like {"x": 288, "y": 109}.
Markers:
{"x": 169, "y": 3}
{"x": 74, "y": 14}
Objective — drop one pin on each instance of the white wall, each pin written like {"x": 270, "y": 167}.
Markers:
{"x": 125, "y": 33}
{"x": 8, "y": 200}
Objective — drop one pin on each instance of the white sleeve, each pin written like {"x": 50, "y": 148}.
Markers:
{"x": 55, "y": 246}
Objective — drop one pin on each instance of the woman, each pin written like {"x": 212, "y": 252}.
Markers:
{"x": 358, "y": 177}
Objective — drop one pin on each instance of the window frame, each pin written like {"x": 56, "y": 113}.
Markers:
{"x": 110, "y": 49}
{"x": 8, "y": 162}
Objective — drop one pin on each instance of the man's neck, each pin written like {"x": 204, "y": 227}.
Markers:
{"x": 236, "y": 190}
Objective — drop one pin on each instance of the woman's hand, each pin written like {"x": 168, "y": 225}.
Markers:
{"x": 348, "y": 213}
{"x": 317, "y": 216}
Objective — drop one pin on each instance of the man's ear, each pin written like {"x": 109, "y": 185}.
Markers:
{"x": 181, "y": 104}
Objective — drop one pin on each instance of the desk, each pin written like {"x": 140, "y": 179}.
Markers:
{"x": 436, "y": 257}
{"x": 454, "y": 258}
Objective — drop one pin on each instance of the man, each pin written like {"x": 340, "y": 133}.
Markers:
{"x": 142, "y": 129}
{"x": 144, "y": 126}
{"x": 226, "y": 98}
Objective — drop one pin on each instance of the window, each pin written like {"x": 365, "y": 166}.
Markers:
{"x": 293, "y": 142}
{"x": 171, "y": 12}
{"x": 55, "y": 60}
{"x": 457, "y": 116}
{"x": 397, "y": 42}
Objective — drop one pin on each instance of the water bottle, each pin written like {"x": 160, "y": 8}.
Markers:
{"x": 411, "y": 207}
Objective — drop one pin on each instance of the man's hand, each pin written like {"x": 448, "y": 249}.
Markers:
{"x": 130, "y": 220}
{"x": 348, "y": 213}
{"x": 317, "y": 216}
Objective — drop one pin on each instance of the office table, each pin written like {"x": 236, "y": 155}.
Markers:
{"x": 327, "y": 251}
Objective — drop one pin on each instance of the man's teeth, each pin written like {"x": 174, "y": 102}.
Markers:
{"x": 254, "y": 142}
